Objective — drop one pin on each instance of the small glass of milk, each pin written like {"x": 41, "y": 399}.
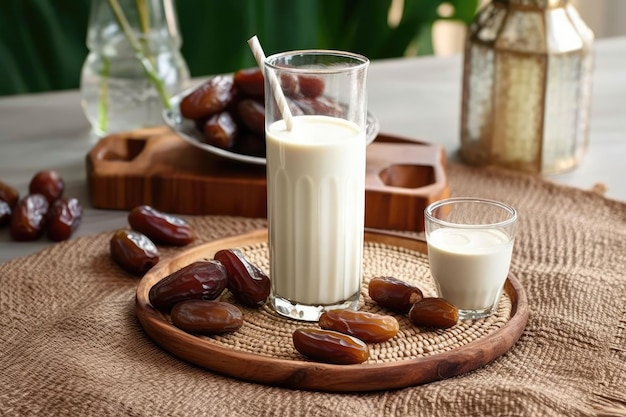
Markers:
{"x": 470, "y": 243}
{"x": 315, "y": 180}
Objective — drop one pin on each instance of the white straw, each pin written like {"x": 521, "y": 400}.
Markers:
{"x": 283, "y": 106}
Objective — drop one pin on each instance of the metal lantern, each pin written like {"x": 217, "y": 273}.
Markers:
{"x": 527, "y": 86}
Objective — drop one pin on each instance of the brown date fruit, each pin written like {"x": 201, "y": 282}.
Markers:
{"x": 394, "y": 294}
{"x": 220, "y": 130}
{"x": 8, "y": 194}
{"x": 29, "y": 217}
{"x": 48, "y": 183}
{"x": 293, "y": 107}
{"x": 434, "y": 312}
{"x": 206, "y": 317}
{"x": 311, "y": 86}
{"x": 5, "y": 213}
{"x": 63, "y": 218}
{"x": 289, "y": 84}
{"x": 249, "y": 81}
{"x": 320, "y": 105}
{"x": 330, "y": 346}
{"x": 369, "y": 327}
{"x": 199, "y": 123}
{"x": 248, "y": 284}
{"x": 210, "y": 98}
{"x": 133, "y": 251}
{"x": 160, "y": 227}
{"x": 201, "y": 280}
{"x": 249, "y": 144}
{"x": 252, "y": 115}
{"x": 301, "y": 86}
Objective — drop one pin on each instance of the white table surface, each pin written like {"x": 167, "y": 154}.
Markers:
{"x": 413, "y": 97}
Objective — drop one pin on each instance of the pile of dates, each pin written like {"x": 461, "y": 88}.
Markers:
{"x": 190, "y": 294}
{"x": 229, "y": 110}
{"x": 344, "y": 334}
{"x": 135, "y": 249}
{"x": 43, "y": 210}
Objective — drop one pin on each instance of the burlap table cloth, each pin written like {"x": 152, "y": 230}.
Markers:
{"x": 71, "y": 344}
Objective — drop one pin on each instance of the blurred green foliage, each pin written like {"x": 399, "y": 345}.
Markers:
{"x": 42, "y": 42}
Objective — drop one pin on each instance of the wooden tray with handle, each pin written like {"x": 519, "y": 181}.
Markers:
{"x": 157, "y": 167}
{"x": 261, "y": 351}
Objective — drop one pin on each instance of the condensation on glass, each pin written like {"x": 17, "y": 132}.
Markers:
{"x": 527, "y": 86}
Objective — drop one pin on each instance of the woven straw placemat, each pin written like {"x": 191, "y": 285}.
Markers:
{"x": 70, "y": 343}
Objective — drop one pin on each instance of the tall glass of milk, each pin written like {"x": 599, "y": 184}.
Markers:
{"x": 470, "y": 243}
{"x": 316, "y": 180}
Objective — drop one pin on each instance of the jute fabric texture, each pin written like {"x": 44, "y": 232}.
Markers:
{"x": 70, "y": 343}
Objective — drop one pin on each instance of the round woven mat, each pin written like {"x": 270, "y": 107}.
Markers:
{"x": 264, "y": 332}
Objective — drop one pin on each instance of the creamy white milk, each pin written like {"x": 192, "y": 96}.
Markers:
{"x": 469, "y": 265}
{"x": 316, "y": 203}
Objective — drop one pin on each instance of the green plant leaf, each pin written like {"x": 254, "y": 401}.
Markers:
{"x": 44, "y": 45}
{"x": 464, "y": 10}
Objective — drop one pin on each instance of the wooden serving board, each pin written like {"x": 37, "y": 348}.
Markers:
{"x": 157, "y": 167}
{"x": 234, "y": 356}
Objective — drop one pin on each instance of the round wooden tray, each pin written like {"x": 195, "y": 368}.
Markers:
{"x": 297, "y": 372}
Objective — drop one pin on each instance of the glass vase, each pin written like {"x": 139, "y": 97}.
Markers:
{"x": 527, "y": 86}
{"x": 134, "y": 64}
